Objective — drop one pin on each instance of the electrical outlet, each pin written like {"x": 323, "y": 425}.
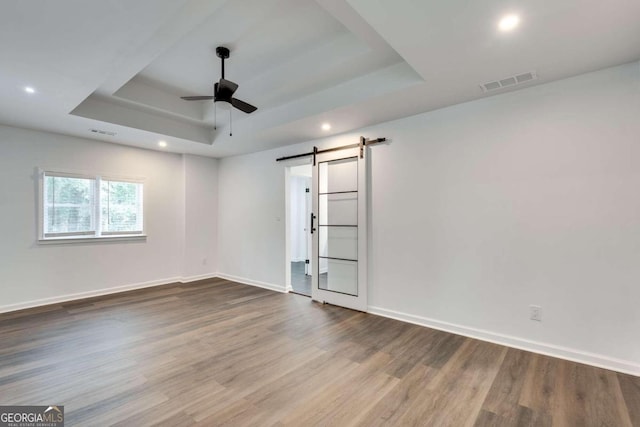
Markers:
{"x": 535, "y": 313}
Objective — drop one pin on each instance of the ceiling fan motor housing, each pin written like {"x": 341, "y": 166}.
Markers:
{"x": 222, "y": 52}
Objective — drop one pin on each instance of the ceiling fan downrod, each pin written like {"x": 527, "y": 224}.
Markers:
{"x": 222, "y": 53}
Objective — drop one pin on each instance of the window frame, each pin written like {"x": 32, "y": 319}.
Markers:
{"x": 91, "y": 236}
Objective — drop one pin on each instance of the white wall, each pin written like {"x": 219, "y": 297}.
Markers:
{"x": 481, "y": 209}
{"x": 32, "y": 274}
{"x": 201, "y": 216}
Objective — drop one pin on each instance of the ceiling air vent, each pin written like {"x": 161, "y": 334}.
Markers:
{"x": 102, "y": 132}
{"x": 509, "y": 81}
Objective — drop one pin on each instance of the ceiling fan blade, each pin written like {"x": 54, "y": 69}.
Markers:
{"x": 243, "y": 106}
{"x": 225, "y": 89}
{"x": 228, "y": 85}
{"x": 196, "y": 98}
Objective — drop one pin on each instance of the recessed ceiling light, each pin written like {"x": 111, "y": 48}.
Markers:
{"x": 326, "y": 126}
{"x": 162, "y": 143}
{"x": 29, "y": 89}
{"x": 509, "y": 22}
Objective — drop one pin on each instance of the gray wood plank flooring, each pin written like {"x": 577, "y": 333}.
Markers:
{"x": 221, "y": 353}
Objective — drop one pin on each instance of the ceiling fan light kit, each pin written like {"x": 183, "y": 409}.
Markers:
{"x": 223, "y": 92}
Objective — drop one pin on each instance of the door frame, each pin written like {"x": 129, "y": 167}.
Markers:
{"x": 287, "y": 217}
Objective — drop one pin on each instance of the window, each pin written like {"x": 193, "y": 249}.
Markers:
{"x": 121, "y": 207}
{"x": 79, "y": 206}
{"x": 69, "y": 206}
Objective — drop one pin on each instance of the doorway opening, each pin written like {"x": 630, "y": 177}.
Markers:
{"x": 298, "y": 221}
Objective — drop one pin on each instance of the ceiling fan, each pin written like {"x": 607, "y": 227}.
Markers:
{"x": 223, "y": 90}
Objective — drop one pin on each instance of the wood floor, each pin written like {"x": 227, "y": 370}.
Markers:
{"x": 219, "y": 353}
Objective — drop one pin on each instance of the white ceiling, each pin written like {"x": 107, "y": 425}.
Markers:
{"x": 121, "y": 65}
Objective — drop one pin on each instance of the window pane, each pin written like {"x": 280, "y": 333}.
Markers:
{"x": 339, "y": 276}
{"x": 121, "y": 205}
{"x": 338, "y": 175}
{"x": 339, "y": 242}
{"x": 68, "y": 205}
{"x": 338, "y": 209}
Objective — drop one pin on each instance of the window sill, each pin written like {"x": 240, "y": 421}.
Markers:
{"x": 105, "y": 239}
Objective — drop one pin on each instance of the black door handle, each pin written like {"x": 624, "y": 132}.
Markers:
{"x": 312, "y": 218}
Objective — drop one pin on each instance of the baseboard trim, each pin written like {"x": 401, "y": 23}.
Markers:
{"x": 251, "y": 282}
{"x": 88, "y": 294}
{"x": 190, "y": 279}
{"x": 570, "y": 354}
{"x": 102, "y": 292}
